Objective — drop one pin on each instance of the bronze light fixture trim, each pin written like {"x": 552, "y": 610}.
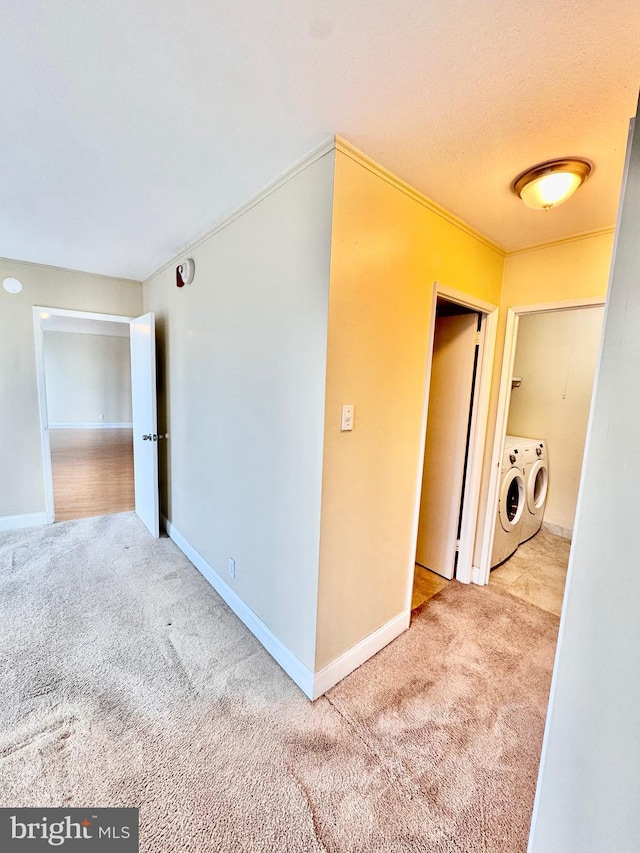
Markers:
{"x": 552, "y": 182}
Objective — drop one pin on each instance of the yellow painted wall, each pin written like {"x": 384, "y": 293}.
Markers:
{"x": 388, "y": 249}
{"x": 572, "y": 269}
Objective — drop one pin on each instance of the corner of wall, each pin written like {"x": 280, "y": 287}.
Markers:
{"x": 243, "y": 359}
{"x": 389, "y": 245}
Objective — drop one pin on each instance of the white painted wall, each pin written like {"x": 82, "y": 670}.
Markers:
{"x": 21, "y": 473}
{"x": 242, "y": 363}
{"x": 556, "y": 356}
{"x": 88, "y": 378}
{"x": 587, "y": 797}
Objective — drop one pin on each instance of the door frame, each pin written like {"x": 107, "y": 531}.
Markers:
{"x": 514, "y": 313}
{"x": 42, "y": 387}
{"x": 464, "y": 572}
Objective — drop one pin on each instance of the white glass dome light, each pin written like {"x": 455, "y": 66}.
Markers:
{"x": 12, "y": 285}
{"x": 551, "y": 183}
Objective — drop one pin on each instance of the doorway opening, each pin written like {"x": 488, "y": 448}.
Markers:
{"x": 551, "y": 355}
{"x": 97, "y": 400}
{"x": 86, "y": 378}
{"x": 461, "y": 350}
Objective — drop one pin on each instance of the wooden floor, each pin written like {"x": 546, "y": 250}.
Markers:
{"x": 92, "y": 472}
{"x": 425, "y": 585}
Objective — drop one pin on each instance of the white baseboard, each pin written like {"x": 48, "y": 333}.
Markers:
{"x": 565, "y": 532}
{"x": 18, "y": 522}
{"x": 96, "y": 425}
{"x": 338, "y": 669}
{"x": 311, "y": 685}
{"x": 294, "y": 668}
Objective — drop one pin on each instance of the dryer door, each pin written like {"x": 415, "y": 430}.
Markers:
{"x": 537, "y": 484}
{"x": 512, "y": 498}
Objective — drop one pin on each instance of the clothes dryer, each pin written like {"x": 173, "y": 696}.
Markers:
{"x": 511, "y": 504}
{"x": 535, "y": 461}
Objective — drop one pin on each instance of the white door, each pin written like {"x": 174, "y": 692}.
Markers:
{"x": 450, "y": 389}
{"x": 145, "y": 421}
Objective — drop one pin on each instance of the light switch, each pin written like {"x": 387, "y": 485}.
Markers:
{"x": 347, "y": 418}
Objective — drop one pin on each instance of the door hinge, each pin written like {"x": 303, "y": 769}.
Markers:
{"x": 477, "y": 339}
{"x": 457, "y": 545}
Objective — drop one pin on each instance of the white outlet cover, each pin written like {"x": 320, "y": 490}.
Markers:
{"x": 347, "y": 418}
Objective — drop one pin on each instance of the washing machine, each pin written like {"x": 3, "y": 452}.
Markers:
{"x": 535, "y": 463}
{"x": 511, "y": 504}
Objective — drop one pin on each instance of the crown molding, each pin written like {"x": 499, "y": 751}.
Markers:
{"x": 373, "y": 166}
{"x": 324, "y": 148}
{"x": 583, "y": 235}
{"x": 337, "y": 143}
{"x": 69, "y": 269}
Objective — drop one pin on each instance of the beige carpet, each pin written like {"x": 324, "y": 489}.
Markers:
{"x": 125, "y": 680}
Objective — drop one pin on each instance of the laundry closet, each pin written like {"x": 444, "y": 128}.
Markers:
{"x": 555, "y": 362}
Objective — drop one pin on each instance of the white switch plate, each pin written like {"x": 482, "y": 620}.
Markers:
{"x": 232, "y": 568}
{"x": 347, "y": 418}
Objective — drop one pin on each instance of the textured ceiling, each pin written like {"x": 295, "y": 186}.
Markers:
{"x": 130, "y": 126}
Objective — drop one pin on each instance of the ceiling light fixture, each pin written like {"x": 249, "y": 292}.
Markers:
{"x": 12, "y": 285}
{"x": 549, "y": 184}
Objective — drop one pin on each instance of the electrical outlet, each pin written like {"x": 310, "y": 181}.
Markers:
{"x": 100, "y": 417}
{"x": 232, "y": 568}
